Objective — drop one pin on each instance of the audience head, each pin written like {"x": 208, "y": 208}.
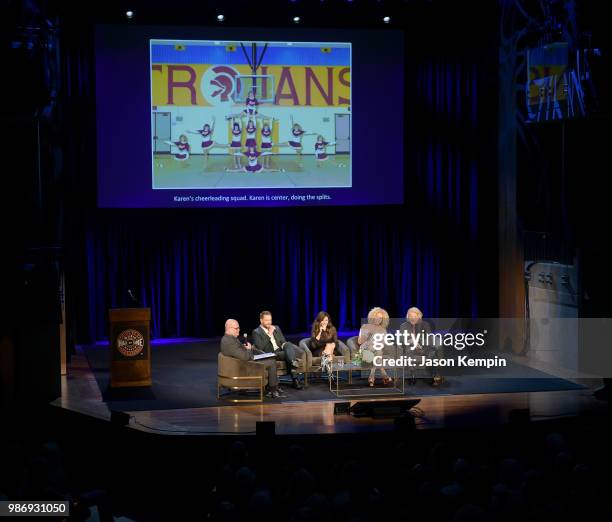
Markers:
{"x": 239, "y": 454}
{"x": 511, "y": 473}
{"x": 378, "y": 316}
{"x": 265, "y": 318}
{"x": 245, "y": 479}
{"x": 316, "y": 508}
{"x": 414, "y": 315}
{"x": 226, "y": 511}
{"x": 300, "y": 486}
{"x": 260, "y": 504}
{"x": 555, "y": 442}
{"x": 297, "y": 456}
{"x": 232, "y": 328}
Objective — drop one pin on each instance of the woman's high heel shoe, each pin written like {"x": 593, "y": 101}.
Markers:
{"x": 387, "y": 380}
{"x": 371, "y": 382}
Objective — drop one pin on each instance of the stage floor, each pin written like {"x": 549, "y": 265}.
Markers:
{"x": 185, "y": 376}
{"x": 81, "y": 393}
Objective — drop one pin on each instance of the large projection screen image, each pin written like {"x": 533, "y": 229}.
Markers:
{"x": 244, "y": 114}
{"x": 248, "y": 117}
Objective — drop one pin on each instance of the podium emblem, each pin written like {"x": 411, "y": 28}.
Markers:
{"x": 130, "y": 343}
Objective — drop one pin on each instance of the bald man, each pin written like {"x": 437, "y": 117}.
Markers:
{"x": 232, "y": 347}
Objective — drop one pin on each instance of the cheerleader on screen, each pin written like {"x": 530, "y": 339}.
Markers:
{"x": 321, "y": 149}
{"x": 251, "y": 132}
{"x": 182, "y": 148}
{"x": 297, "y": 133}
{"x": 253, "y": 164}
{"x": 251, "y": 107}
{"x": 251, "y": 104}
{"x": 207, "y": 132}
{"x": 235, "y": 147}
{"x": 266, "y": 142}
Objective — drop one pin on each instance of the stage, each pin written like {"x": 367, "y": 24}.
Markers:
{"x": 170, "y": 408}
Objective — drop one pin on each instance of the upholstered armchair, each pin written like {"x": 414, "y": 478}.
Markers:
{"x": 238, "y": 375}
{"x": 235, "y": 374}
{"x": 351, "y": 342}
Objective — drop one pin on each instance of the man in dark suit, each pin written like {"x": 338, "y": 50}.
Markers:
{"x": 232, "y": 347}
{"x": 269, "y": 338}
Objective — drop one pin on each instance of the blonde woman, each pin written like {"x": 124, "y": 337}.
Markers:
{"x": 378, "y": 321}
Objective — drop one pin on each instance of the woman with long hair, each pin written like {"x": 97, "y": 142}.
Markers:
{"x": 324, "y": 337}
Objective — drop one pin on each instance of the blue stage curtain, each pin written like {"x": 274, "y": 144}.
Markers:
{"x": 197, "y": 268}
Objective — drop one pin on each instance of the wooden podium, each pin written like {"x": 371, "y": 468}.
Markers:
{"x": 130, "y": 351}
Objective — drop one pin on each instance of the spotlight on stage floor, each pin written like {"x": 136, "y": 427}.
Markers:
{"x": 383, "y": 409}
